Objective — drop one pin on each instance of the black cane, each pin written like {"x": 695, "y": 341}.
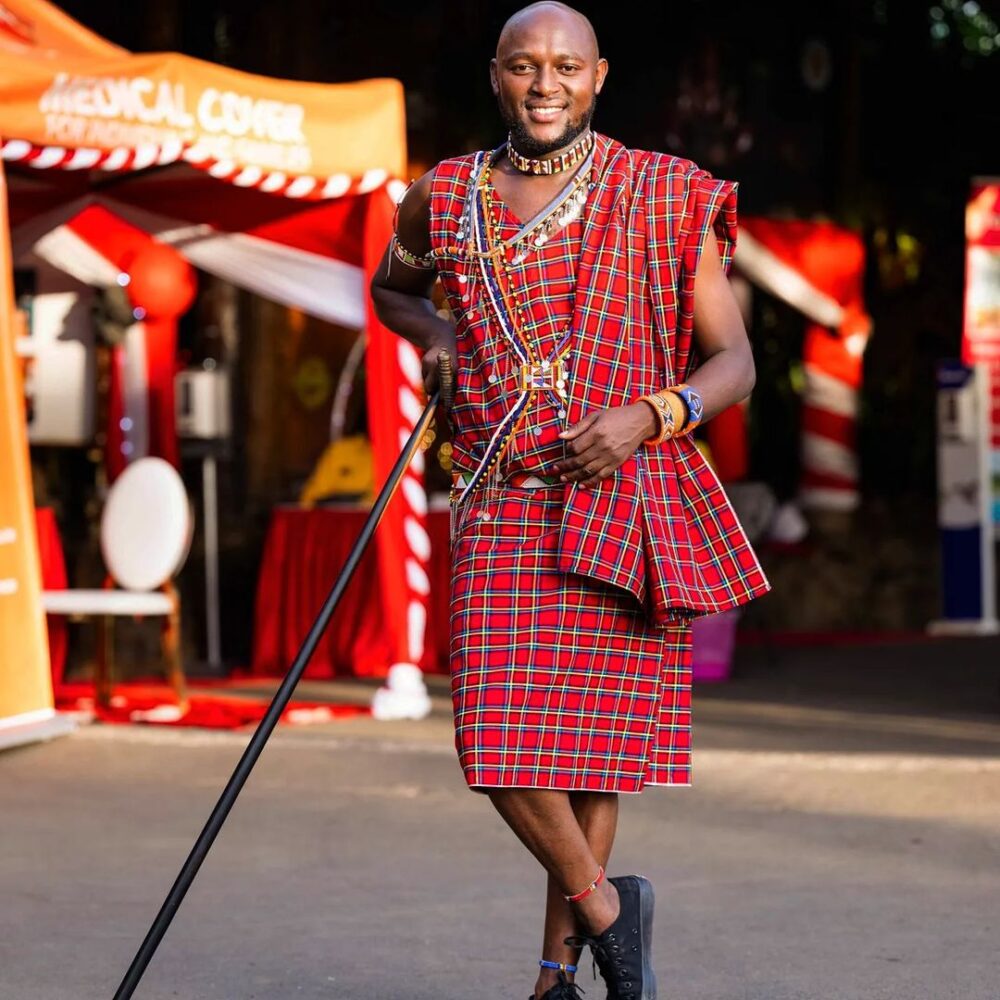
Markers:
{"x": 283, "y": 695}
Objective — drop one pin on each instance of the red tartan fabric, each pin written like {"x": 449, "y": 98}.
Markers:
{"x": 661, "y": 527}
{"x": 558, "y": 682}
{"x": 545, "y": 282}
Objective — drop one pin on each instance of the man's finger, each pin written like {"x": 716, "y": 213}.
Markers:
{"x": 598, "y": 476}
{"x": 580, "y": 426}
{"x": 578, "y": 470}
{"x": 573, "y": 462}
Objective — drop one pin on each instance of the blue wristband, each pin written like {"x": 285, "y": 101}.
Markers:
{"x": 695, "y": 407}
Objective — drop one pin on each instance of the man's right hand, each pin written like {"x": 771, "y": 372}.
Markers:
{"x": 430, "y": 367}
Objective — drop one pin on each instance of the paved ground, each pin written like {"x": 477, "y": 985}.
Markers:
{"x": 841, "y": 841}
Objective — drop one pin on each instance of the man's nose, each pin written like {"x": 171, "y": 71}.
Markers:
{"x": 546, "y": 81}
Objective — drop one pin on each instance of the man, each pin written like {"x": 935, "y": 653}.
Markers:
{"x": 583, "y": 279}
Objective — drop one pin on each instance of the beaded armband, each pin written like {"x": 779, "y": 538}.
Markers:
{"x": 695, "y": 407}
{"x": 411, "y": 259}
{"x": 670, "y": 413}
{"x": 664, "y": 418}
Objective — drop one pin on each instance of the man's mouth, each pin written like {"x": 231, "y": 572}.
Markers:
{"x": 545, "y": 113}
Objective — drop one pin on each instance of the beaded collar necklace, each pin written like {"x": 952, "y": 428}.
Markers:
{"x": 556, "y": 164}
{"x": 559, "y": 212}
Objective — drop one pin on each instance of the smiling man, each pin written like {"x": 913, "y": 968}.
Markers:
{"x": 592, "y": 329}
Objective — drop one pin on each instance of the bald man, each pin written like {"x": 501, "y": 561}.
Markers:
{"x": 592, "y": 329}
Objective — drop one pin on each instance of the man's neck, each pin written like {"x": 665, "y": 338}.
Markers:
{"x": 508, "y": 167}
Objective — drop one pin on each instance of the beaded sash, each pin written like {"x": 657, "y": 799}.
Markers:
{"x": 535, "y": 374}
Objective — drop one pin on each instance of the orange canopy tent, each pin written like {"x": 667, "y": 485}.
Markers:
{"x": 281, "y": 187}
{"x": 73, "y": 100}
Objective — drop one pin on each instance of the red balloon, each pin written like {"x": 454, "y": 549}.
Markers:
{"x": 161, "y": 281}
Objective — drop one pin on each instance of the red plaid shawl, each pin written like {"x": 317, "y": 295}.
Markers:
{"x": 661, "y": 527}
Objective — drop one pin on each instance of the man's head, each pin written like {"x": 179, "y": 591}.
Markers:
{"x": 546, "y": 76}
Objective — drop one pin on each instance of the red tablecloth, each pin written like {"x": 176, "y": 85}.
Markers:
{"x": 303, "y": 553}
{"x": 50, "y": 553}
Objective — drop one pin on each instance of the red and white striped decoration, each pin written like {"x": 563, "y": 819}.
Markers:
{"x": 302, "y": 186}
{"x": 414, "y": 496}
{"x": 817, "y": 268}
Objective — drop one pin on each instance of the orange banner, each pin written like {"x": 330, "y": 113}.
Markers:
{"x": 25, "y": 682}
{"x": 62, "y": 87}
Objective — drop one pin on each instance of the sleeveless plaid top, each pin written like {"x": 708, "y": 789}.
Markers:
{"x": 544, "y": 284}
{"x": 661, "y": 526}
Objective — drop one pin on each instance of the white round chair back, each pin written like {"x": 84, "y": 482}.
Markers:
{"x": 146, "y": 526}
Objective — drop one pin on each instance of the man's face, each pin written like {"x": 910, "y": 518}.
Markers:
{"x": 546, "y": 78}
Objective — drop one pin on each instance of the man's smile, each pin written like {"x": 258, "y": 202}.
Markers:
{"x": 543, "y": 114}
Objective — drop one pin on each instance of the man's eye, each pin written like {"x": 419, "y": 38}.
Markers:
{"x": 568, "y": 69}
{"x": 521, "y": 68}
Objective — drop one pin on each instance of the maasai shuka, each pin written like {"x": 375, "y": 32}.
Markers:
{"x": 558, "y": 681}
{"x": 561, "y": 677}
{"x": 661, "y": 526}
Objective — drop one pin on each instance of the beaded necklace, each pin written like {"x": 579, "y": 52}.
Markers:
{"x": 553, "y": 164}
{"x": 539, "y": 230}
{"x": 557, "y": 218}
{"x": 488, "y": 256}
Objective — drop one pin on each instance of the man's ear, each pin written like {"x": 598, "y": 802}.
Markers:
{"x": 494, "y": 82}
{"x": 602, "y": 72}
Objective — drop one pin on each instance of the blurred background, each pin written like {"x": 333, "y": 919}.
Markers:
{"x": 859, "y": 132}
{"x": 197, "y": 408}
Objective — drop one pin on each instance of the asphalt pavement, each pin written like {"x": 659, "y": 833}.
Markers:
{"x": 841, "y": 841}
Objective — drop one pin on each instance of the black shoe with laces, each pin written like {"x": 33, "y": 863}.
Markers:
{"x": 562, "y": 990}
{"x": 623, "y": 950}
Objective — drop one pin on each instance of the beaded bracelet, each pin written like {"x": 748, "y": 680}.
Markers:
{"x": 592, "y": 888}
{"x": 561, "y": 966}
{"x": 693, "y": 403}
{"x": 400, "y": 252}
{"x": 676, "y": 405}
{"x": 666, "y": 417}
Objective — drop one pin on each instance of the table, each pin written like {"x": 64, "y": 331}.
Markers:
{"x": 304, "y": 551}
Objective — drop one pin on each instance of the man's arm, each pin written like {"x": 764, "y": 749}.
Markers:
{"x": 401, "y": 293}
{"x": 726, "y": 372}
{"x": 600, "y": 442}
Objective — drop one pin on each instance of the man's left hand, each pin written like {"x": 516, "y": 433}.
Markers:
{"x": 601, "y": 442}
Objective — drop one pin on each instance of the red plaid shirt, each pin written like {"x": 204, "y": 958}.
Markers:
{"x": 661, "y": 526}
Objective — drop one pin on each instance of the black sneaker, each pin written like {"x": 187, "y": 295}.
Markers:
{"x": 623, "y": 951}
{"x": 561, "y": 991}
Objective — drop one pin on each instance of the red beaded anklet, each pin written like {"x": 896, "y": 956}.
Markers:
{"x": 590, "y": 888}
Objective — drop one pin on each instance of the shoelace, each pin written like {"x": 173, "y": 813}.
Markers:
{"x": 567, "y": 991}
{"x": 602, "y": 950}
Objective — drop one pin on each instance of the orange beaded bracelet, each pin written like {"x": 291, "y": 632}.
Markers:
{"x": 669, "y": 410}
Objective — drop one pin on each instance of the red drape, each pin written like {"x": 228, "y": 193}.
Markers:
{"x": 304, "y": 552}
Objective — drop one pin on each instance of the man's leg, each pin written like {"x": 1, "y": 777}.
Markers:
{"x": 597, "y": 814}
{"x": 557, "y": 828}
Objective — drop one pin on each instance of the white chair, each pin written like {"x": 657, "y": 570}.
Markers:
{"x": 146, "y": 529}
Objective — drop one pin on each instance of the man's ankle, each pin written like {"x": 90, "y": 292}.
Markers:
{"x": 548, "y": 978}
{"x": 600, "y": 911}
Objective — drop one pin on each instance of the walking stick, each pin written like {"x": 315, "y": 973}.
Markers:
{"x": 283, "y": 695}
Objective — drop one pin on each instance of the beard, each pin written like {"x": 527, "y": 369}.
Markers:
{"x": 527, "y": 145}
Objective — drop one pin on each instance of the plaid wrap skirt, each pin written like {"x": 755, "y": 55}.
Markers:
{"x": 558, "y": 681}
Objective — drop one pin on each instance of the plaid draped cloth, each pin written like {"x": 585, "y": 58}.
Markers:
{"x": 558, "y": 681}
{"x": 661, "y": 527}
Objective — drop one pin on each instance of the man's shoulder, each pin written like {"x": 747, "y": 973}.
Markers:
{"x": 455, "y": 164}
{"x": 663, "y": 165}
{"x": 653, "y": 161}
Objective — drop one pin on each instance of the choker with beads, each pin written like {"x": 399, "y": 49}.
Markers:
{"x": 556, "y": 164}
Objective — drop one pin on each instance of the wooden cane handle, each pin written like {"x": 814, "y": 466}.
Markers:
{"x": 446, "y": 378}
